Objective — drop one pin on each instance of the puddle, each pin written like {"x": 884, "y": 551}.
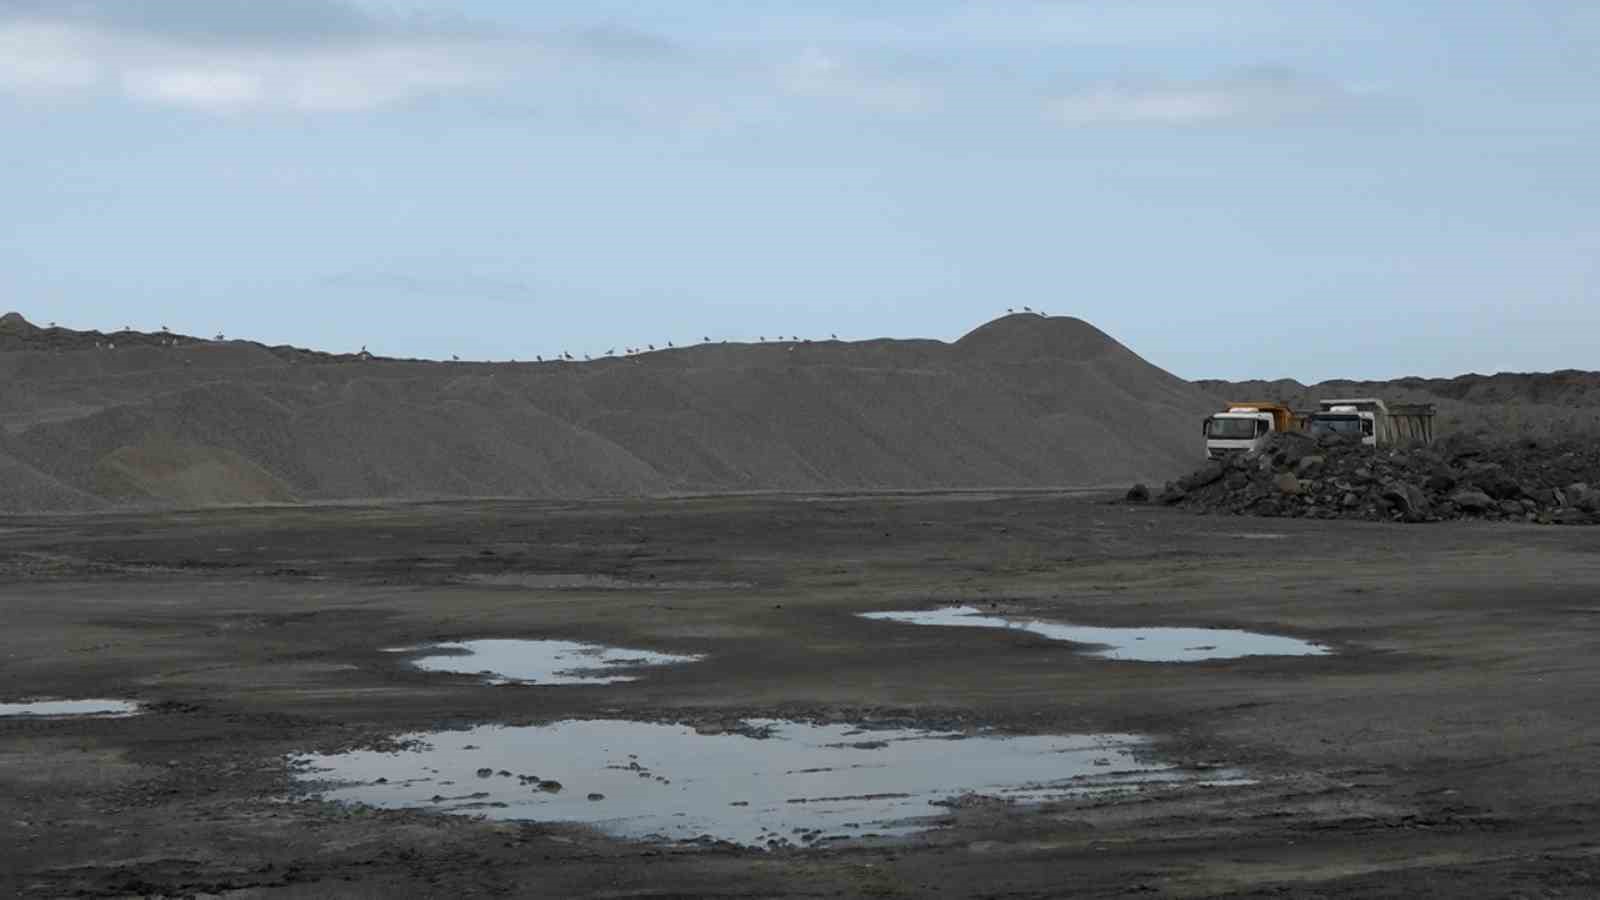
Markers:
{"x": 1128, "y": 644}
{"x": 780, "y": 783}
{"x": 63, "y": 709}
{"x": 541, "y": 662}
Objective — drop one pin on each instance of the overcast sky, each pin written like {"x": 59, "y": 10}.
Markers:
{"x": 1234, "y": 189}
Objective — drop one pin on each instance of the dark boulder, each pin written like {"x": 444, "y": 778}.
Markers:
{"x": 1441, "y": 482}
{"x": 1137, "y": 494}
{"x": 1473, "y": 501}
{"x": 1208, "y": 475}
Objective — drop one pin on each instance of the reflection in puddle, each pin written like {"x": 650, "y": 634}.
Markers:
{"x": 1130, "y": 644}
{"x": 46, "y": 709}
{"x": 776, "y": 783}
{"x": 541, "y": 662}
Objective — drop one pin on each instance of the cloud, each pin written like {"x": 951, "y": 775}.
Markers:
{"x": 237, "y": 22}
{"x": 821, "y": 75}
{"x": 233, "y": 55}
{"x": 1251, "y": 97}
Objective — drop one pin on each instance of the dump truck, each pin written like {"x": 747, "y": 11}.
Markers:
{"x": 1244, "y": 427}
{"x": 1377, "y": 423}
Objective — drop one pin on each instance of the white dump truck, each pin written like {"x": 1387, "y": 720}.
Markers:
{"x": 1244, "y": 427}
{"x": 1377, "y": 423}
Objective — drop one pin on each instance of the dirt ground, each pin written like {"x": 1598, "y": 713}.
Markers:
{"x": 1449, "y": 747}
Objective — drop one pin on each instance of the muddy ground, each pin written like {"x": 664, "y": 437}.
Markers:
{"x": 1448, "y": 749}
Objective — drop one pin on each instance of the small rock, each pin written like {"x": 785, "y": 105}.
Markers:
{"x": 1286, "y": 484}
{"x": 1138, "y": 494}
{"x": 1310, "y": 465}
{"x": 485, "y": 773}
{"x": 595, "y": 798}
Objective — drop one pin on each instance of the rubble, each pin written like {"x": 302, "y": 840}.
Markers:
{"x": 1295, "y": 475}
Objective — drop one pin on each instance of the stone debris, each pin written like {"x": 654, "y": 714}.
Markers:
{"x": 1297, "y": 476}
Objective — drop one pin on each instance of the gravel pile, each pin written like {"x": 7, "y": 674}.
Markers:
{"x": 1553, "y": 482}
{"x": 1024, "y": 401}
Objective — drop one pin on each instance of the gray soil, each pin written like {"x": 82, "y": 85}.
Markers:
{"x": 1448, "y": 747}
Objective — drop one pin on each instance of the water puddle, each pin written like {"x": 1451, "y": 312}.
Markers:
{"x": 768, "y": 784}
{"x": 1128, "y": 644}
{"x": 63, "y": 709}
{"x": 541, "y": 662}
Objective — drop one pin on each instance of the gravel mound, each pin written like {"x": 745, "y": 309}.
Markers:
{"x": 1025, "y": 401}
{"x": 1553, "y": 482}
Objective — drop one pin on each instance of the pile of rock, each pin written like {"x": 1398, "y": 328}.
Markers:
{"x": 1335, "y": 478}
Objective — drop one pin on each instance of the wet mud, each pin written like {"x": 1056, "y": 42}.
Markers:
{"x": 1440, "y": 748}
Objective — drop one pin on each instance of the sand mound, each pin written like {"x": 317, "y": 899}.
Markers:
{"x": 1022, "y": 402}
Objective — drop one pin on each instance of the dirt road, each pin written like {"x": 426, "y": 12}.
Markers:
{"x": 1449, "y": 747}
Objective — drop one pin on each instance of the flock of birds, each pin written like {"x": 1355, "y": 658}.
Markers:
{"x": 565, "y": 356}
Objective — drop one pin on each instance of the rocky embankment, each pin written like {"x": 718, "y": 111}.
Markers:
{"x": 1297, "y": 476}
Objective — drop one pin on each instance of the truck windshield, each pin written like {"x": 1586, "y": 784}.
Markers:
{"x": 1232, "y": 429}
{"x": 1321, "y": 425}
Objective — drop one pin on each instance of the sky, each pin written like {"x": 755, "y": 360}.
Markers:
{"x": 1234, "y": 189}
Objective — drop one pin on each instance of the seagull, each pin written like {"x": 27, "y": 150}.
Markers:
{"x": 538, "y": 358}
{"x": 670, "y": 344}
{"x": 455, "y": 358}
{"x": 834, "y": 336}
{"x": 651, "y": 346}
{"x": 1027, "y": 309}
{"x": 587, "y": 358}
{"x": 704, "y": 340}
{"x": 612, "y": 352}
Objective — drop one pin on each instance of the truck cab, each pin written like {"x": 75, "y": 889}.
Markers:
{"x": 1345, "y": 419}
{"x": 1244, "y": 427}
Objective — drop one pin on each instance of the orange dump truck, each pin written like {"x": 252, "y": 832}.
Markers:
{"x": 1245, "y": 426}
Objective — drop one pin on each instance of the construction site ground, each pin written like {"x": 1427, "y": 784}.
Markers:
{"x": 1448, "y": 748}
